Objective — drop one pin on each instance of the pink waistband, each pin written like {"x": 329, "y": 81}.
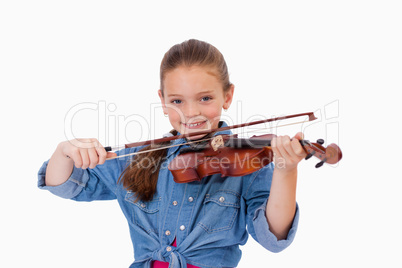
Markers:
{"x": 160, "y": 264}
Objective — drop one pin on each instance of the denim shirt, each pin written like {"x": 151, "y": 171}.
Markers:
{"x": 208, "y": 218}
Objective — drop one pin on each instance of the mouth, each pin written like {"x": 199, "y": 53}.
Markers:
{"x": 194, "y": 125}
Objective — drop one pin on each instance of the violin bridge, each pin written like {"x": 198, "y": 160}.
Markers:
{"x": 217, "y": 142}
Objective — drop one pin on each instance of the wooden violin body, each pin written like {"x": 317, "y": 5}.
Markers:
{"x": 230, "y": 156}
{"x": 188, "y": 167}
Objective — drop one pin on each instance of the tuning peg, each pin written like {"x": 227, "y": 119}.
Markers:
{"x": 320, "y": 163}
{"x": 309, "y": 155}
{"x": 320, "y": 141}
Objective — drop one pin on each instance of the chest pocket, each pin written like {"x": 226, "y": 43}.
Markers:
{"x": 145, "y": 214}
{"x": 220, "y": 211}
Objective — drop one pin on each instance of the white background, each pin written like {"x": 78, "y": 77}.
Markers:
{"x": 340, "y": 59}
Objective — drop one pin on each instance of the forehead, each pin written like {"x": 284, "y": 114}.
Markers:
{"x": 191, "y": 79}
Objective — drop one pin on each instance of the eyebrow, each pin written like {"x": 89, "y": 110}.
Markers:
{"x": 200, "y": 93}
{"x": 173, "y": 95}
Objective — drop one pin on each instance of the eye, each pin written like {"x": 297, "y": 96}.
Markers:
{"x": 176, "y": 101}
{"x": 206, "y": 98}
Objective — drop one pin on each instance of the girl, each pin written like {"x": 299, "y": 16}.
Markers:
{"x": 197, "y": 224}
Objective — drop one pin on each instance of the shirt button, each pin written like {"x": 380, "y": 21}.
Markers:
{"x": 143, "y": 205}
{"x": 174, "y": 203}
{"x": 182, "y": 227}
{"x": 221, "y": 199}
{"x": 190, "y": 199}
{"x": 167, "y": 232}
{"x": 168, "y": 249}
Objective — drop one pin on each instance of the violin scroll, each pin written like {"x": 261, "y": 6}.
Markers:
{"x": 331, "y": 155}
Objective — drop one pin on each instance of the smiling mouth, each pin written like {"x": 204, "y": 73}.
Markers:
{"x": 194, "y": 125}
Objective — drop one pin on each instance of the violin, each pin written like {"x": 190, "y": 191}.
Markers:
{"x": 232, "y": 156}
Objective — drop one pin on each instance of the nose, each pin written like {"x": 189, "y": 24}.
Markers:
{"x": 191, "y": 110}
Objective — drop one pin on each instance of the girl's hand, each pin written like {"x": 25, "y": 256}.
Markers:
{"x": 82, "y": 153}
{"x": 85, "y": 153}
{"x": 287, "y": 152}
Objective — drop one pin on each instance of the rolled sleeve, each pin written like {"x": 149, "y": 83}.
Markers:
{"x": 265, "y": 237}
{"x": 258, "y": 190}
{"x": 70, "y": 188}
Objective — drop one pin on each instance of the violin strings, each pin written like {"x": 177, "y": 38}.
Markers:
{"x": 197, "y": 141}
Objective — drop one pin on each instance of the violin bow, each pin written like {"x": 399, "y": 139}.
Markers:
{"x": 310, "y": 115}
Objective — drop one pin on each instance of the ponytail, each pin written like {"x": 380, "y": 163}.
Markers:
{"x": 141, "y": 175}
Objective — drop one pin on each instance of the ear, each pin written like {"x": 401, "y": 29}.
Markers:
{"x": 228, "y": 97}
{"x": 162, "y": 101}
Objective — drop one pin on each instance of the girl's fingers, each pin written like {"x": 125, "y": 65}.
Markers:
{"x": 277, "y": 148}
{"x": 76, "y": 157}
{"x": 286, "y": 148}
{"x": 274, "y": 147}
{"x": 85, "y": 158}
{"x": 299, "y": 136}
{"x": 93, "y": 158}
{"x": 288, "y": 152}
{"x": 282, "y": 143}
{"x": 297, "y": 148}
{"x": 102, "y": 155}
{"x": 86, "y": 153}
{"x": 110, "y": 155}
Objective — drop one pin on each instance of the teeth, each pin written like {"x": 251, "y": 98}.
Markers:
{"x": 194, "y": 125}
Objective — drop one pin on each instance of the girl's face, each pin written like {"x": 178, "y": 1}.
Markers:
{"x": 193, "y": 99}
